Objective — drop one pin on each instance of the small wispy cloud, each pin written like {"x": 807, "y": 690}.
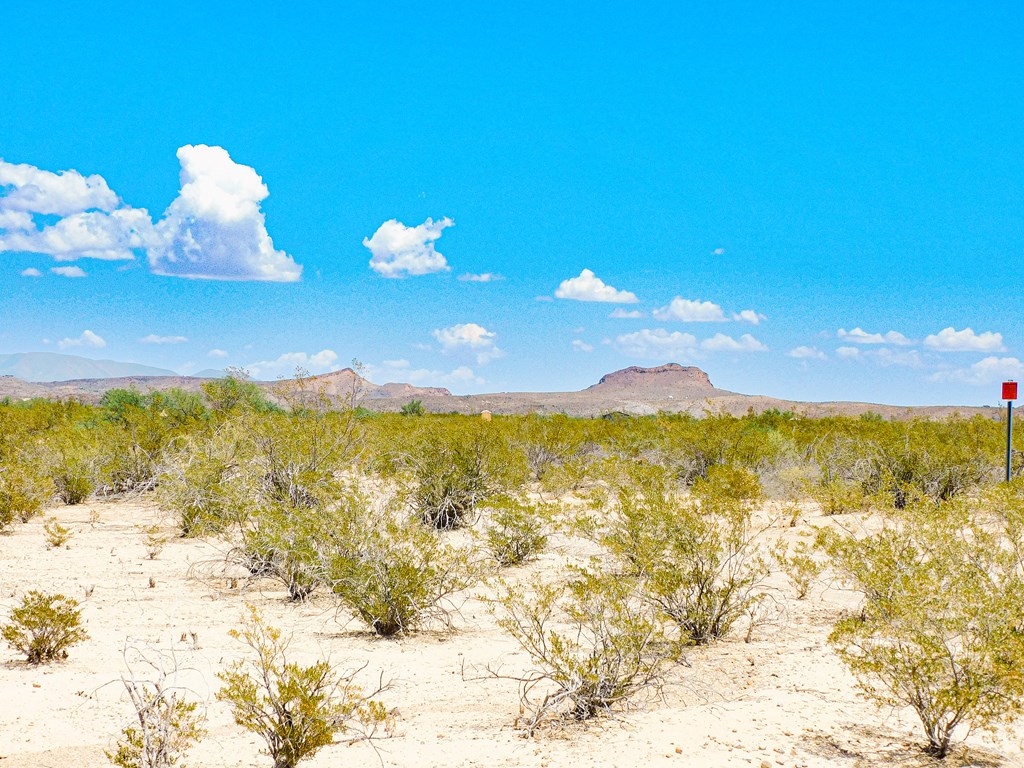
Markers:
{"x": 581, "y": 346}
{"x": 748, "y": 316}
{"x": 31, "y": 272}
{"x": 883, "y": 356}
{"x": 484, "y": 277}
{"x": 626, "y": 314}
{"x": 807, "y": 353}
{"x": 286, "y": 365}
{"x": 402, "y": 370}
{"x": 217, "y": 353}
{"x": 68, "y": 271}
{"x": 154, "y": 339}
{"x": 987, "y": 371}
{"x": 860, "y": 336}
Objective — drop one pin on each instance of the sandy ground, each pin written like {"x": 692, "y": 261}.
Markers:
{"x": 782, "y": 699}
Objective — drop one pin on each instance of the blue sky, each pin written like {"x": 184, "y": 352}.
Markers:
{"x": 814, "y": 201}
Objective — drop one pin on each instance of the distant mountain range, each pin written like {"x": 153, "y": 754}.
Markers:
{"x": 637, "y": 391}
{"x": 51, "y": 366}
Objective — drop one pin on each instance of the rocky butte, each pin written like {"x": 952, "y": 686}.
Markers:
{"x": 663, "y": 380}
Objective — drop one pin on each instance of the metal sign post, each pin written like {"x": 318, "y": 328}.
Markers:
{"x": 1009, "y": 395}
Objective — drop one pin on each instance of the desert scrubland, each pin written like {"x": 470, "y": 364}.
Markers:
{"x": 761, "y": 590}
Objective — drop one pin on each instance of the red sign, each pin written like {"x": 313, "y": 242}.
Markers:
{"x": 1009, "y": 390}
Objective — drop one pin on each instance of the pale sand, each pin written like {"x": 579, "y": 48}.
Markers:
{"x": 781, "y": 700}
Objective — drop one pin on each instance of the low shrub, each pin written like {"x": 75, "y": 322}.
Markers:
{"x": 297, "y": 710}
{"x": 612, "y": 649}
{"x": 451, "y": 478}
{"x": 697, "y": 561}
{"x": 518, "y": 531}
{"x": 395, "y": 574}
{"x": 166, "y": 723}
{"x": 24, "y": 490}
{"x": 44, "y": 626}
{"x": 942, "y": 625}
{"x": 57, "y": 535}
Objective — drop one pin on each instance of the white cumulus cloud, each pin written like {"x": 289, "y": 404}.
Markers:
{"x": 588, "y": 287}
{"x": 720, "y": 342}
{"x": 656, "y": 343}
{"x": 468, "y": 337}
{"x": 485, "y": 277}
{"x": 581, "y": 346}
{"x": 987, "y": 371}
{"x": 29, "y": 190}
{"x": 154, "y": 339}
{"x": 807, "y": 353}
{"x": 860, "y": 336}
{"x": 697, "y": 311}
{"x": 324, "y": 361}
{"x": 401, "y": 251}
{"x": 68, "y": 271}
{"x": 688, "y": 311}
{"x": 952, "y": 340}
{"x": 31, "y": 272}
{"x": 112, "y": 236}
{"x": 87, "y": 339}
{"x": 217, "y": 353}
{"x": 215, "y": 228}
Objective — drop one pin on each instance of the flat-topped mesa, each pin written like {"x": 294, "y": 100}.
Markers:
{"x": 668, "y": 378}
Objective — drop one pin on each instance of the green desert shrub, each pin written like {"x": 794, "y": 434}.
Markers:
{"x": 395, "y": 573}
{"x": 941, "y": 629}
{"x": 24, "y": 489}
{"x": 517, "y": 532}
{"x": 839, "y": 497}
{"x": 451, "y": 475}
{"x": 550, "y": 443}
{"x": 802, "y": 564}
{"x": 44, "y": 626}
{"x": 296, "y": 710}
{"x": 73, "y": 460}
{"x": 235, "y": 393}
{"x": 594, "y": 644}
{"x": 202, "y": 484}
{"x": 57, "y": 535}
{"x": 413, "y": 408}
{"x": 699, "y": 562}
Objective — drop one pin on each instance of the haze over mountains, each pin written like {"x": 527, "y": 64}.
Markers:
{"x": 635, "y": 390}
{"x": 51, "y": 366}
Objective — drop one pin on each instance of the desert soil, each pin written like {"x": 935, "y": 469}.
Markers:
{"x": 782, "y": 699}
